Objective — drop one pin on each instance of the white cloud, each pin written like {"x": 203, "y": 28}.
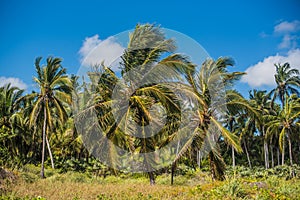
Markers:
{"x": 287, "y": 27}
{"x": 286, "y": 42}
{"x": 95, "y": 50}
{"x": 263, "y": 72}
{"x": 14, "y": 82}
{"x": 289, "y": 31}
{"x": 89, "y": 44}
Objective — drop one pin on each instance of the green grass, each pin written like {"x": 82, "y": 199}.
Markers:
{"x": 75, "y": 185}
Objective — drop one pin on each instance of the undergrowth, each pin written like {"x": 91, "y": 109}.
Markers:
{"x": 240, "y": 183}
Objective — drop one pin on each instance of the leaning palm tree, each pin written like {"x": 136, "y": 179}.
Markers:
{"x": 147, "y": 78}
{"x": 287, "y": 80}
{"x": 286, "y": 122}
{"x": 126, "y": 105}
{"x": 50, "y": 101}
{"x": 209, "y": 86}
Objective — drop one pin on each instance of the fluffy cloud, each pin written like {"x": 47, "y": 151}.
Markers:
{"x": 263, "y": 72}
{"x": 14, "y": 82}
{"x": 288, "y": 42}
{"x": 289, "y": 31}
{"x": 94, "y": 51}
{"x": 287, "y": 27}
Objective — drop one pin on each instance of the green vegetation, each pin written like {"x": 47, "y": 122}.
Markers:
{"x": 241, "y": 183}
{"x": 258, "y": 136}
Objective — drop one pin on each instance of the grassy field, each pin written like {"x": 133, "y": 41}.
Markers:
{"x": 74, "y": 185}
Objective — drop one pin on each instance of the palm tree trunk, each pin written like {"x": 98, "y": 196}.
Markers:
{"x": 43, "y": 144}
{"x": 290, "y": 154}
{"x": 282, "y": 154}
{"x": 199, "y": 159}
{"x": 272, "y": 155}
{"x": 173, "y": 167}
{"x": 290, "y": 150}
{"x": 212, "y": 171}
{"x": 233, "y": 157}
{"x": 173, "y": 172}
{"x": 266, "y": 154}
{"x": 278, "y": 157}
{"x": 217, "y": 167}
{"x": 151, "y": 178}
{"x": 247, "y": 153}
{"x": 50, "y": 153}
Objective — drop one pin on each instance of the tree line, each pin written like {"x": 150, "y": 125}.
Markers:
{"x": 259, "y": 130}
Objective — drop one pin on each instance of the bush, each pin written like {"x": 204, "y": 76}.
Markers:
{"x": 262, "y": 173}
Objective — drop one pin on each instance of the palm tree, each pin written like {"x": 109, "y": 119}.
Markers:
{"x": 96, "y": 97}
{"x": 243, "y": 123}
{"x": 142, "y": 57}
{"x": 9, "y": 105}
{"x": 236, "y": 119}
{"x": 207, "y": 86}
{"x": 286, "y": 79}
{"x": 286, "y": 122}
{"x": 27, "y": 142}
{"x": 274, "y": 137}
{"x": 124, "y": 106}
{"x": 50, "y": 101}
{"x": 261, "y": 101}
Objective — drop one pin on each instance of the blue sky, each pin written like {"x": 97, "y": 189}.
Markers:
{"x": 254, "y": 33}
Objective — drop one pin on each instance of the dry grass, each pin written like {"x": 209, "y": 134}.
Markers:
{"x": 69, "y": 190}
{"x": 74, "y": 185}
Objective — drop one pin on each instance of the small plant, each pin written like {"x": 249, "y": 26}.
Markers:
{"x": 103, "y": 197}
{"x": 231, "y": 189}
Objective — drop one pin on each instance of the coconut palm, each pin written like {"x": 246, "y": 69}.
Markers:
{"x": 261, "y": 101}
{"x": 124, "y": 105}
{"x": 146, "y": 46}
{"x": 287, "y": 122}
{"x": 50, "y": 102}
{"x": 95, "y": 98}
{"x": 209, "y": 86}
{"x": 27, "y": 142}
{"x": 236, "y": 119}
{"x": 287, "y": 80}
{"x": 9, "y": 105}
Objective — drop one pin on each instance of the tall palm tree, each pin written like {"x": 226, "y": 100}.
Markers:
{"x": 287, "y": 80}
{"x": 236, "y": 119}
{"x": 286, "y": 122}
{"x": 147, "y": 45}
{"x": 208, "y": 84}
{"x": 274, "y": 137}
{"x": 261, "y": 101}
{"x": 50, "y": 102}
{"x": 96, "y": 97}
{"x": 147, "y": 67}
{"x": 243, "y": 123}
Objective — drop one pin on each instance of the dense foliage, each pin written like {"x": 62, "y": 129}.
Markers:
{"x": 261, "y": 130}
